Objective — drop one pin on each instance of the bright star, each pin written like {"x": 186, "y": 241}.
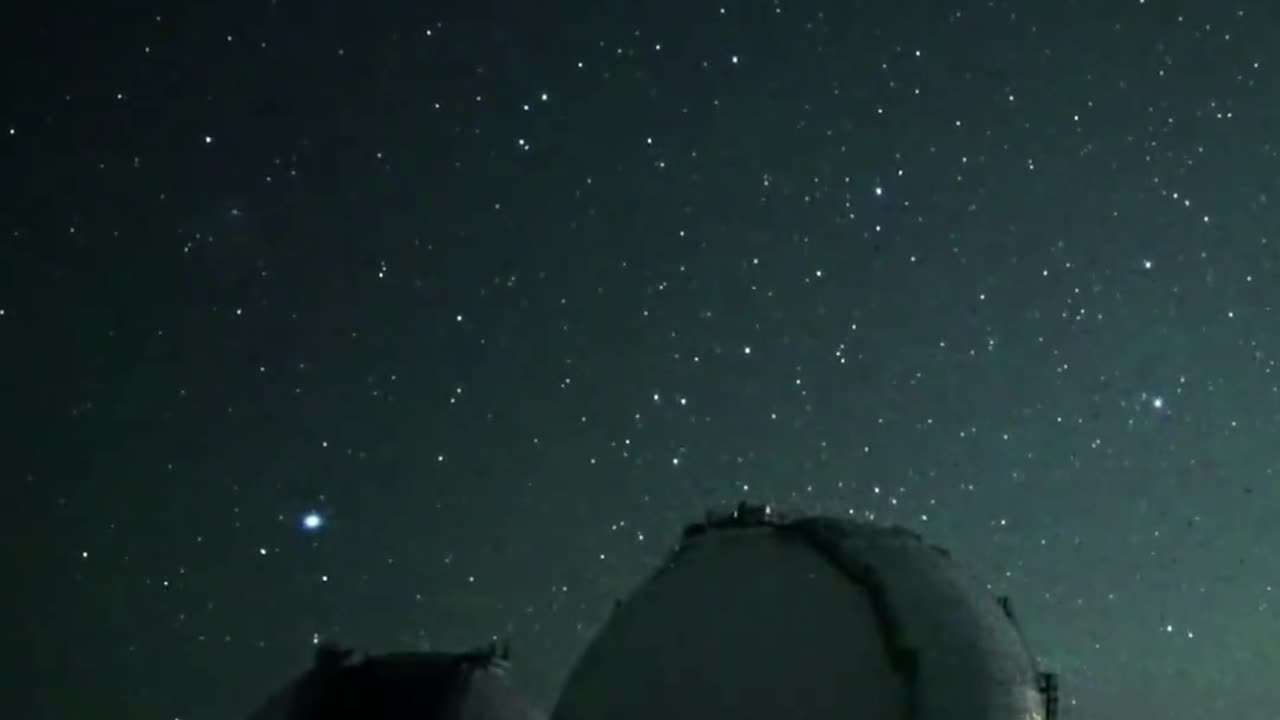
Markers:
{"x": 312, "y": 521}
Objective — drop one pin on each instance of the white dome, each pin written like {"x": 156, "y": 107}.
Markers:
{"x": 755, "y": 616}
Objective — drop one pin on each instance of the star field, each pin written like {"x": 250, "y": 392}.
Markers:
{"x": 411, "y": 325}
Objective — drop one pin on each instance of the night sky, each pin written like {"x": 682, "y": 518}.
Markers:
{"x": 503, "y": 295}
